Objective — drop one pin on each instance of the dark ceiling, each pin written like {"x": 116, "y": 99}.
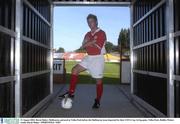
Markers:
{"x": 91, "y": 0}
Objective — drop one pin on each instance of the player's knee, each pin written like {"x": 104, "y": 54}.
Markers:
{"x": 99, "y": 81}
{"x": 74, "y": 70}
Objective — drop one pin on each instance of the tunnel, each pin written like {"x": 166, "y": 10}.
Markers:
{"x": 26, "y": 54}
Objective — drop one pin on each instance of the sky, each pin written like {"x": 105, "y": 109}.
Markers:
{"x": 70, "y": 24}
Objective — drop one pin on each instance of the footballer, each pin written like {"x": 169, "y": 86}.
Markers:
{"x": 94, "y": 44}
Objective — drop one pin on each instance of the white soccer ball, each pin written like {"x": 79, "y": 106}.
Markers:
{"x": 66, "y": 103}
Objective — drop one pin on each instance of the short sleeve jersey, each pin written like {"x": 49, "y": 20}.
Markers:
{"x": 100, "y": 37}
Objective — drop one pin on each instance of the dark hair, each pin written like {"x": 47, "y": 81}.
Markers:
{"x": 91, "y": 16}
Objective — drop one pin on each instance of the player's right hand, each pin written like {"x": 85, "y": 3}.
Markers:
{"x": 87, "y": 39}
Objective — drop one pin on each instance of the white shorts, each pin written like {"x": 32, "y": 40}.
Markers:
{"x": 94, "y": 65}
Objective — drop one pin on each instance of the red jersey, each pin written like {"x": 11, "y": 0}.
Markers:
{"x": 100, "y": 37}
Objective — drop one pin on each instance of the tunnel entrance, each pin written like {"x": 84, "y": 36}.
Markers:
{"x": 26, "y": 57}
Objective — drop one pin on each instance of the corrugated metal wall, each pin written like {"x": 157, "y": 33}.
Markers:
{"x": 35, "y": 52}
{"x": 177, "y": 57}
{"x": 149, "y": 48}
{"x": 7, "y": 35}
{"x": 25, "y": 55}
{"x": 155, "y": 50}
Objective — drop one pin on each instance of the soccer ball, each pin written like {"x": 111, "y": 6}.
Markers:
{"x": 66, "y": 103}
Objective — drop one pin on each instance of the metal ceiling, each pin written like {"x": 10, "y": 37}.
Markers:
{"x": 92, "y": 2}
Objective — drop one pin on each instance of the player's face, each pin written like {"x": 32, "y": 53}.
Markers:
{"x": 92, "y": 23}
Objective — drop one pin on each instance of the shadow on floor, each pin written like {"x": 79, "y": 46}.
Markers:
{"x": 113, "y": 104}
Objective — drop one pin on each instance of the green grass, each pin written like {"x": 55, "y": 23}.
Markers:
{"x": 111, "y": 73}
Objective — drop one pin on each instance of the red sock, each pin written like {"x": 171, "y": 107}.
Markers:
{"x": 99, "y": 90}
{"x": 73, "y": 81}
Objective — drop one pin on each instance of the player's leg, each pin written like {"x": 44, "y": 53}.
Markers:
{"x": 67, "y": 100}
{"x": 96, "y": 70}
{"x": 80, "y": 67}
{"x": 99, "y": 89}
{"x": 73, "y": 80}
{"x": 99, "y": 92}
{"x": 74, "y": 77}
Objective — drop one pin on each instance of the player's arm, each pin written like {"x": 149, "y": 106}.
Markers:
{"x": 87, "y": 42}
{"x": 100, "y": 41}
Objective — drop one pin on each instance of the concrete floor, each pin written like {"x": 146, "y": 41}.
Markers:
{"x": 113, "y": 104}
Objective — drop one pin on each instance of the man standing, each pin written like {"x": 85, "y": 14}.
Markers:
{"x": 94, "y": 44}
